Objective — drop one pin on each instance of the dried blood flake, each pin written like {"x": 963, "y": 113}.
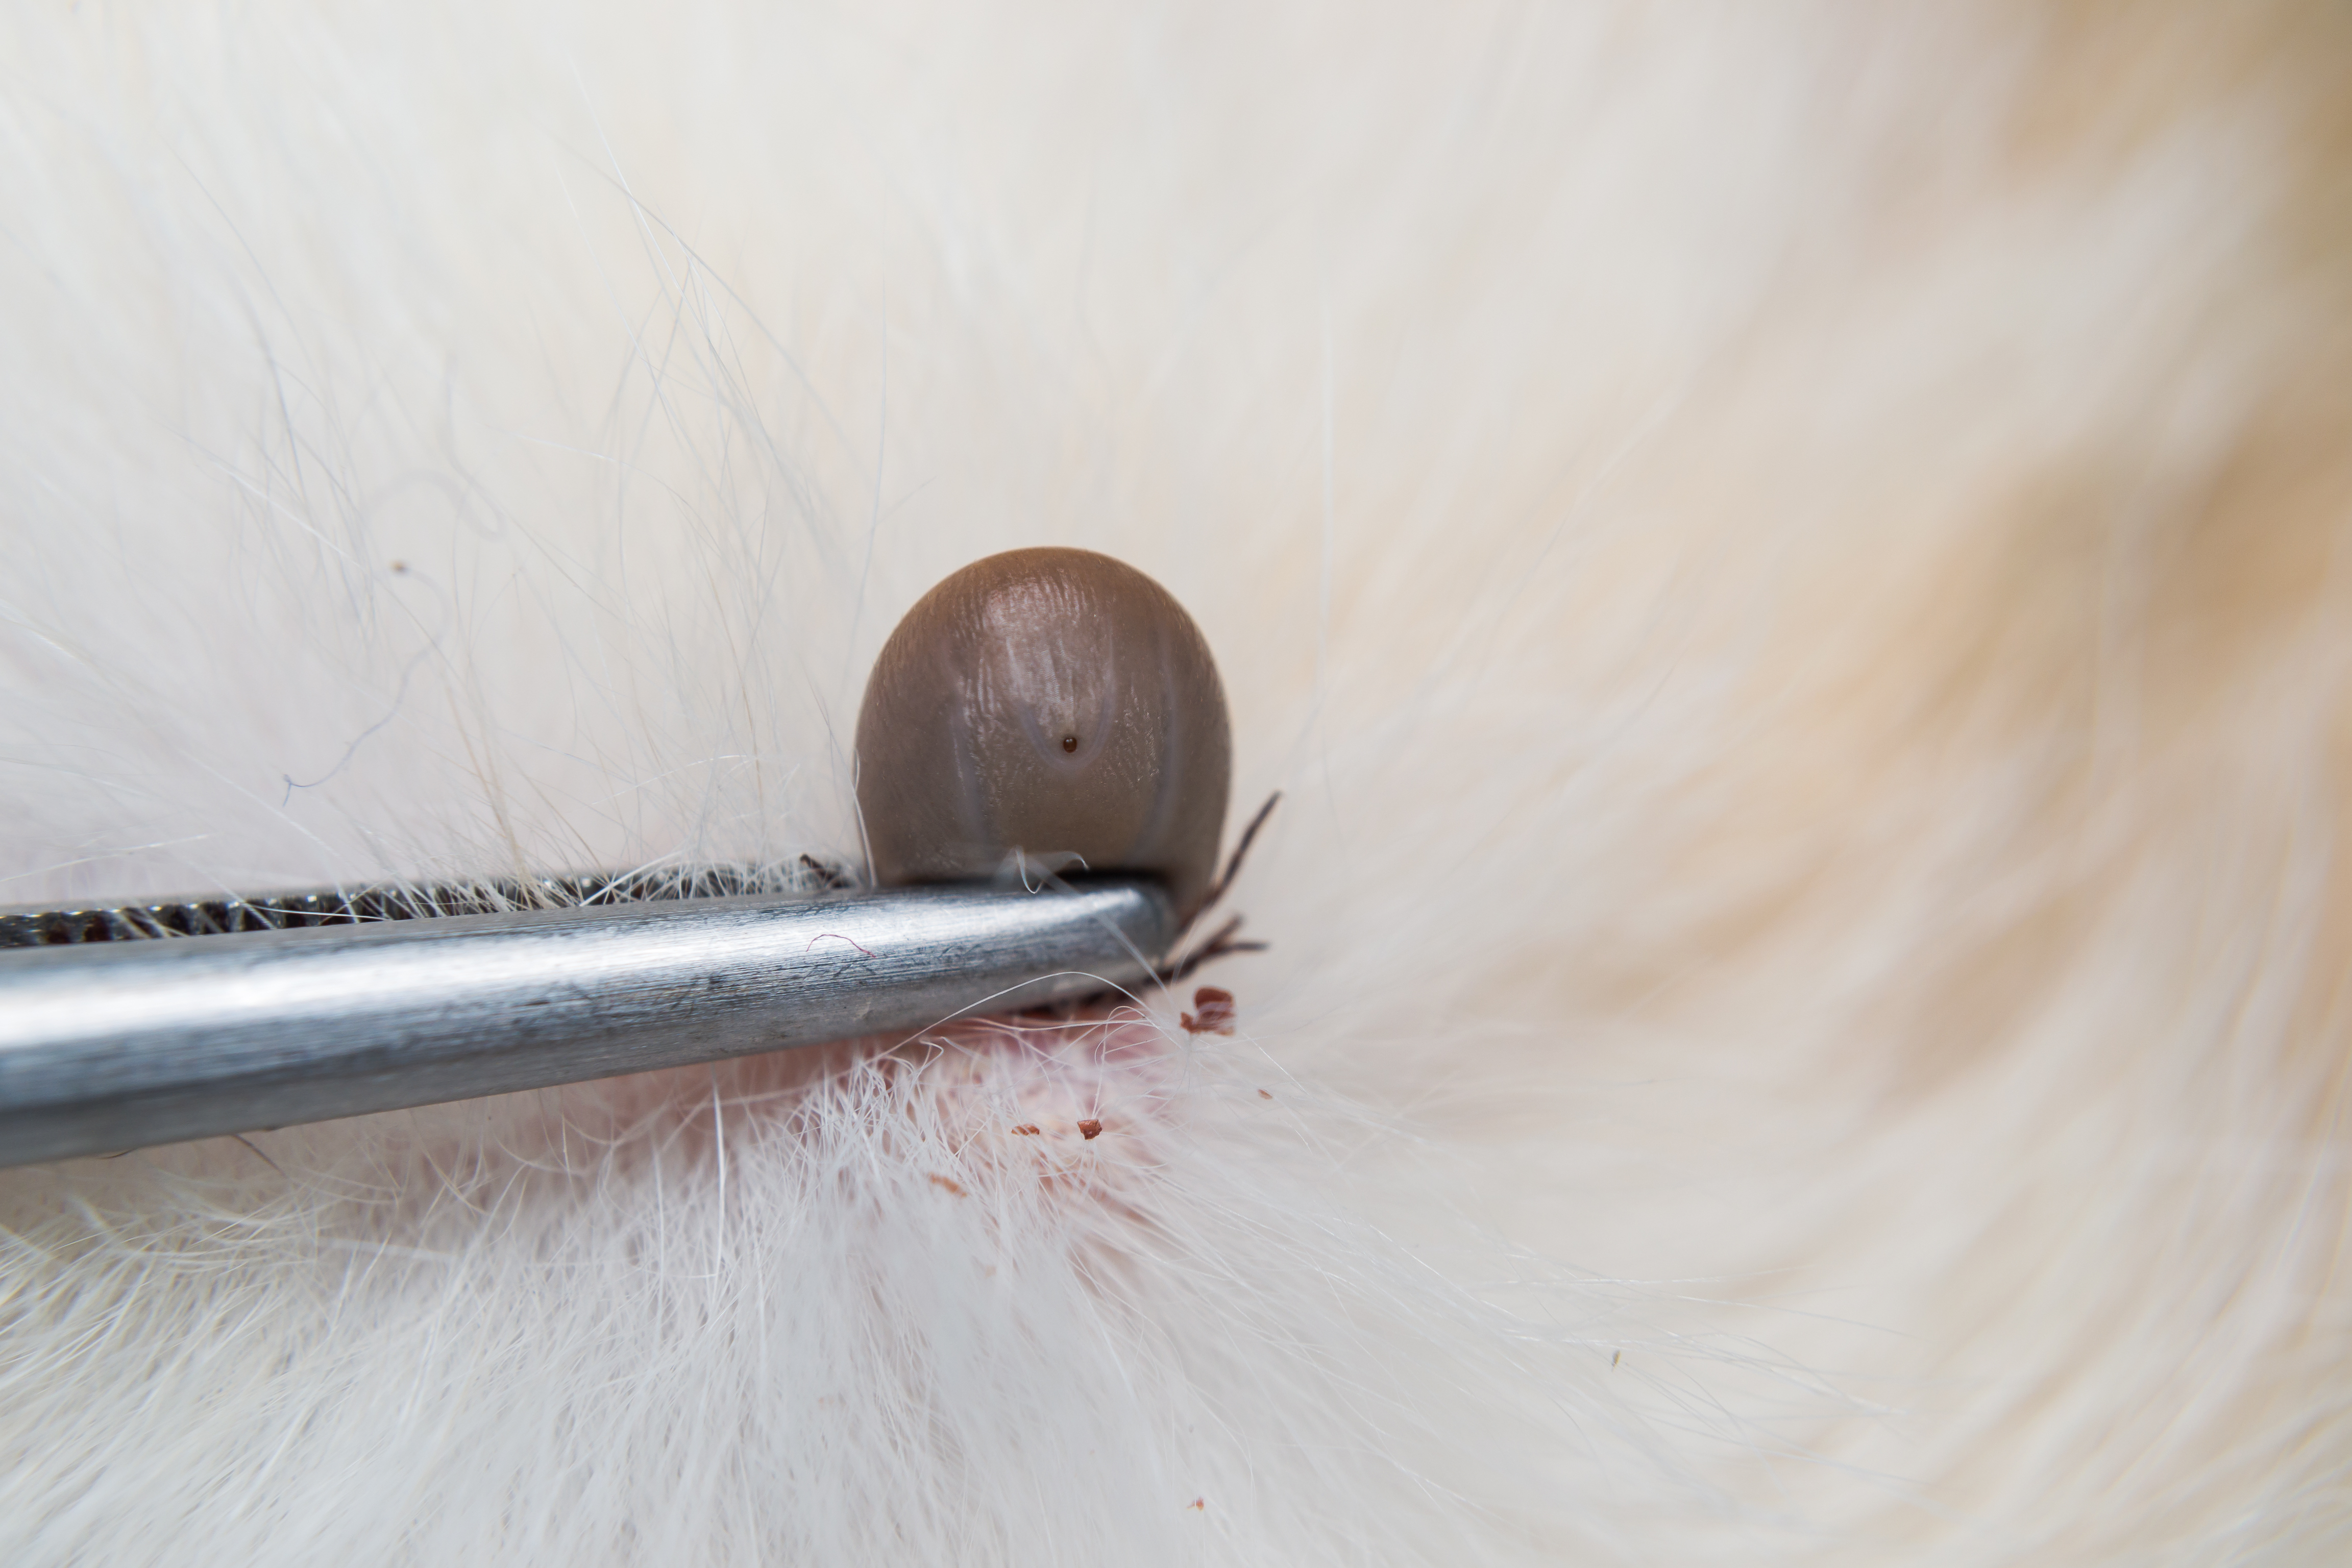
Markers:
{"x": 1216, "y": 1012}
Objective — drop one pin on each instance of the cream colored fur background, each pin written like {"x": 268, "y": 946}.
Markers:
{"x": 1787, "y": 560}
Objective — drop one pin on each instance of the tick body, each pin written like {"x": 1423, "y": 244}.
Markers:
{"x": 1050, "y": 706}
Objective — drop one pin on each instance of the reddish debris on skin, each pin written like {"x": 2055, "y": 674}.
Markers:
{"x": 1090, "y": 1130}
{"x": 1263, "y": 1095}
{"x": 1027, "y": 1130}
{"x": 1200, "y": 1503}
{"x": 1216, "y": 1015}
{"x": 951, "y": 1185}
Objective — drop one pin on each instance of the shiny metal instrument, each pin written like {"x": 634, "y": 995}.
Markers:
{"x": 124, "y": 1028}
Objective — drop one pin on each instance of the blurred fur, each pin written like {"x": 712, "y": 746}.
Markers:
{"x": 1788, "y": 562}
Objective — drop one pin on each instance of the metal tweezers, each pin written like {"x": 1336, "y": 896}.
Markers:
{"x": 121, "y": 1028}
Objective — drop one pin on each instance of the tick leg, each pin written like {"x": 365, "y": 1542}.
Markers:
{"x": 1219, "y": 944}
{"x": 1233, "y": 865}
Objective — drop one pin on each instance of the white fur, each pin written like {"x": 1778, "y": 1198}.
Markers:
{"x": 1786, "y": 565}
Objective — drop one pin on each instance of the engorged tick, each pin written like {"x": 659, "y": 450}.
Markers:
{"x": 1051, "y": 704}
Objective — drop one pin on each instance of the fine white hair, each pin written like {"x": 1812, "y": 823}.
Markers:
{"x": 1788, "y": 564}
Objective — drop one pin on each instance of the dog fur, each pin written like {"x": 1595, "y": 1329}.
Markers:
{"x": 1789, "y": 564}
